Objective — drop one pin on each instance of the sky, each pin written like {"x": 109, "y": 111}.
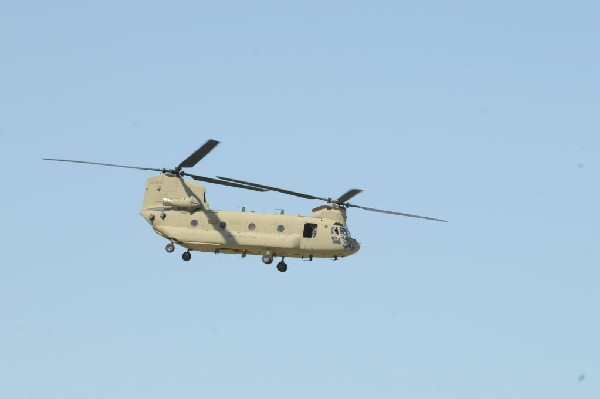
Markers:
{"x": 481, "y": 113}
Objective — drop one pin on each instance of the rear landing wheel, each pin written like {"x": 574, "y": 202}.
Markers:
{"x": 282, "y": 267}
{"x": 170, "y": 247}
{"x": 186, "y": 256}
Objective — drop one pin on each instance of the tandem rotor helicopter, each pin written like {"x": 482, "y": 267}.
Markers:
{"x": 176, "y": 208}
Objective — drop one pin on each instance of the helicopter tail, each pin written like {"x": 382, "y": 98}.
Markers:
{"x": 167, "y": 191}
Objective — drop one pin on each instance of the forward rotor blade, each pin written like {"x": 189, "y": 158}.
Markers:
{"x": 200, "y": 153}
{"x": 223, "y": 183}
{"x": 341, "y": 201}
{"x": 277, "y": 189}
{"x": 395, "y": 213}
{"x": 348, "y": 195}
{"x": 103, "y": 164}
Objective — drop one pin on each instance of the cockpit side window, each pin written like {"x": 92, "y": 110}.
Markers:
{"x": 335, "y": 231}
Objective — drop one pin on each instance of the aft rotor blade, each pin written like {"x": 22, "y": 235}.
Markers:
{"x": 103, "y": 164}
{"x": 223, "y": 183}
{"x": 271, "y": 188}
{"x": 348, "y": 195}
{"x": 395, "y": 213}
{"x": 197, "y": 156}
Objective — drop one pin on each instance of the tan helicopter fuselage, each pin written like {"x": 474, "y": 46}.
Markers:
{"x": 177, "y": 210}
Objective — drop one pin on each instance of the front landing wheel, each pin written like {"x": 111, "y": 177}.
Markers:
{"x": 170, "y": 247}
{"x": 186, "y": 256}
{"x": 282, "y": 267}
{"x": 267, "y": 259}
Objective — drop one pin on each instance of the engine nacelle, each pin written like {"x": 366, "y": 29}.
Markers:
{"x": 186, "y": 203}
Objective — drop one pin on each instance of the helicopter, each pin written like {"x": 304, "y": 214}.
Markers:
{"x": 176, "y": 208}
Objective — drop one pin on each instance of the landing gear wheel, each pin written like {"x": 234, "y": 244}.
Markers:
{"x": 170, "y": 247}
{"x": 282, "y": 267}
{"x": 267, "y": 259}
{"x": 186, "y": 256}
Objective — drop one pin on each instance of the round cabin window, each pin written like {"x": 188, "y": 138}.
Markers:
{"x": 251, "y": 227}
{"x": 280, "y": 228}
{"x": 194, "y": 223}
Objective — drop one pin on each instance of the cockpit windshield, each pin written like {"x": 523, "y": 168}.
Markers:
{"x": 339, "y": 230}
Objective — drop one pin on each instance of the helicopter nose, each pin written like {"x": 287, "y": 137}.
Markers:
{"x": 354, "y": 246}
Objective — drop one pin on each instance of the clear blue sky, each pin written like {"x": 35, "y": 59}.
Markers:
{"x": 485, "y": 114}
